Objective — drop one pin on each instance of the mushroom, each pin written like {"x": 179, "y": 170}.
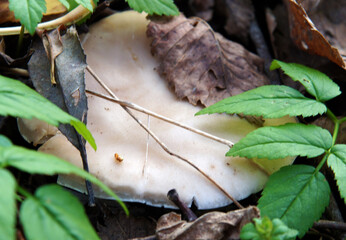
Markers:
{"x": 127, "y": 159}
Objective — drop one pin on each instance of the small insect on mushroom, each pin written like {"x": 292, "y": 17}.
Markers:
{"x": 118, "y": 158}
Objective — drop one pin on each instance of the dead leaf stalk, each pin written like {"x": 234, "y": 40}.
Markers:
{"x": 162, "y": 145}
{"x": 158, "y": 116}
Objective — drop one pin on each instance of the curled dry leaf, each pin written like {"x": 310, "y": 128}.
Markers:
{"x": 200, "y": 64}
{"x": 307, "y": 37}
{"x": 212, "y": 225}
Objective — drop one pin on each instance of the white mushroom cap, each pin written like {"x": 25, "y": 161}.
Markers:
{"x": 119, "y": 52}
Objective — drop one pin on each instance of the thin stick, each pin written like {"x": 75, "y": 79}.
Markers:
{"x": 158, "y": 116}
{"x": 163, "y": 146}
{"x": 330, "y": 224}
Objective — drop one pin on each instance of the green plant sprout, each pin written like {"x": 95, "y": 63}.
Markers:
{"x": 290, "y": 193}
{"x": 265, "y": 229}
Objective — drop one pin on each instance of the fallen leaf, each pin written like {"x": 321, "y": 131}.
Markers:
{"x": 200, "y": 64}
{"x": 69, "y": 94}
{"x": 308, "y": 38}
{"x": 212, "y": 225}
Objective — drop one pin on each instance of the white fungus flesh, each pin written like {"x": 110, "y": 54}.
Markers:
{"x": 131, "y": 162}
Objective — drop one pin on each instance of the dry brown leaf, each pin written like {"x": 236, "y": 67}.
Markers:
{"x": 200, "y": 64}
{"x": 212, "y": 225}
{"x": 53, "y": 47}
{"x": 307, "y": 37}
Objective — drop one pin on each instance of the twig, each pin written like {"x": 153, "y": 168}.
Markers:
{"x": 163, "y": 146}
{"x": 158, "y": 116}
{"x": 330, "y": 224}
{"x": 72, "y": 17}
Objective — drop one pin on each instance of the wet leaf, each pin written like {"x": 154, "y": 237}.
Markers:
{"x": 307, "y": 37}
{"x": 200, "y": 64}
{"x": 69, "y": 93}
{"x": 212, "y": 225}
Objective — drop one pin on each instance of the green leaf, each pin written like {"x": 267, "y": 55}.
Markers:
{"x": 29, "y": 12}
{"x": 56, "y": 214}
{"x": 265, "y": 229}
{"x": 86, "y": 3}
{"x": 18, "y": 100}
{"x": 4, "y": 141}
{"x": 337, "y": 162}
{"x": 269, "y": 102}
{"x": 39, "y": 163}
{"x": 297, "y": 195}
{"x": 291, "y": 139}
{"x": 69, "y": 4}
{"x": 159, "y": 7}
{"x": 316, "y": 83}
{"x": 7, "y": 205}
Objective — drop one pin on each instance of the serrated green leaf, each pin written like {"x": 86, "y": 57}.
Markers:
{"x": 297, "y": 195}
{"x": 291, "y": 139}
{"x": 265, "y": 229}
{"x": 69, "y": 4}
{"x": 56, "y": 214}
{"x": 86, "y": 3}
{"x": 29, "y": 12}
{"x": 159, "y": 7}
{"x": 4, "y": 141}
{"x": 7, "y": 205}
{"x": 18, "y": 100}
{"x": 39, "y": 163}
{"x": 316, "y": 83}
{"x": 337, "y": 162}
{"x": 269, "y": 102}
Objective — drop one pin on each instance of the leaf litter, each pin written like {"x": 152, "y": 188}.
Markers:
{"x": 63, "y": 62}
{"x": 200, "y": 64}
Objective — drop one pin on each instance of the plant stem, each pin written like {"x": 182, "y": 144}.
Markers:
{"x": 335, "y": 133}
{"x": 342, "y": 120}
{"x": 20, "y": 41}
{"x": 24, "y": 192}
{"x": 331, "y": 115}
{"x": 325, "y": 157}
